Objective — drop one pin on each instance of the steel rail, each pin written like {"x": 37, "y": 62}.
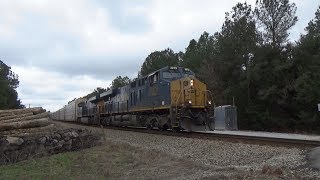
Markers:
{"x": 271, "y": 141}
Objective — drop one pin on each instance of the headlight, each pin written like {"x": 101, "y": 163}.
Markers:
{"x": 190, "y": 101}
{"x": 191, "y": 82}
{"x": 209, "y": 102}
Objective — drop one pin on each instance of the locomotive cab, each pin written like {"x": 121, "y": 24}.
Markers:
{"x": 189, "y": 103}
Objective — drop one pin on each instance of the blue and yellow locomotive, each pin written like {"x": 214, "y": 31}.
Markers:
{"x": 169, "y": 98}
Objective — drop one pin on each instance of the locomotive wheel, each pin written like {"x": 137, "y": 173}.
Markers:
{"x": 165, "y": 127}
{"x": 152, "y": 123}
{"x": 149, "y": 126}
{"x": 96, "y": 120}
{"x": 176, "y": 129}
{"x": 90, "y": 120}
{"x": 109, "y": 121}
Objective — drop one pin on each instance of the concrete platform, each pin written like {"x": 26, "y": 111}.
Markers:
{"x": 314, "y": 158}
{"x": 268, "y": 134}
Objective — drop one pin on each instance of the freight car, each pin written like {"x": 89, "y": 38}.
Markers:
{"x": 171, "y": 97}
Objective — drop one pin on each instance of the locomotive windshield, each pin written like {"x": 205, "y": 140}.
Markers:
{"x": 171, "y": 75}
{"x": 188, "y": 72}
{"x": 176, "y": 73}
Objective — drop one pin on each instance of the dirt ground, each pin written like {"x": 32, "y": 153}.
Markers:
{"x": 116, "y": 160}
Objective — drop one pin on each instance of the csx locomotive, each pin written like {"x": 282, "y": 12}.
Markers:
{"x": 169, "y": 98}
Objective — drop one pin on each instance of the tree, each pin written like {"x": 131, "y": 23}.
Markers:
{"x": 120, "y": 81}
{"x": 8, "y": 84}
{"x": 159, "y": 59}
{"x": 313, "y": 28}
{"x": 116, "y": 83}
{"x": 275, "y": 83}
{"x": 231, "y": 54}
{"x": 96, "y": 92}
{"x": 276, "y": 17}
{"x": 307, "y": 84}
{"x": 273, "y": 74}
{"x": 198, "y": 52}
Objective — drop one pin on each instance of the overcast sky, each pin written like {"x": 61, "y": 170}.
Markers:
{"x": 62, "y": 49}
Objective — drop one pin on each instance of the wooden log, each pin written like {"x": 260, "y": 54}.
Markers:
{"x": 29, "y": 131}
{"x": 18, "y": 110}
{"x": 24, "y": 124}
{"x": 26, "y": 118}
{"x": 35, "y": 110}
{"x": 14, "y": 116}
{"x": 7, "y": 114}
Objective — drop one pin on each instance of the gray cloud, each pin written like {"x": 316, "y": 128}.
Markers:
{"x": 62, "y": 52}
{"x": 98, "y": 67}
{"x": 124, "y": 22}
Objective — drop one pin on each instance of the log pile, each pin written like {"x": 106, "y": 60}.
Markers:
{"x": 16, "y": 148}
{"x": 23, "y": 121}
{"x": 28, "y": 133}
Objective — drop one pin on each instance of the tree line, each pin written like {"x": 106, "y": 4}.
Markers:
{"x": 275, "y": 83}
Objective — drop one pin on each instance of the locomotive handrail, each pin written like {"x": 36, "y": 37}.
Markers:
{"x": 178, "y": 97}
{"x": 214, "y": 104}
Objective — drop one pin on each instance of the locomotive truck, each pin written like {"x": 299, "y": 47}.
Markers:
{"x": 169, "y": 98}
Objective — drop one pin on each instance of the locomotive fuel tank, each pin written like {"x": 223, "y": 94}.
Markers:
{"x": 124, "y": 120}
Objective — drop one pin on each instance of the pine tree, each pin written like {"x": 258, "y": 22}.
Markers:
{"x": 159, "y": 59}
{"x": 8, "y": 84}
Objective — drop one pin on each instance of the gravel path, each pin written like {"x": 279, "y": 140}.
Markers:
{"x": 256, "y": 160}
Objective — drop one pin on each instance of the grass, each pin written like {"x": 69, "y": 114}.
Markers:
{"x": 108, "y": 161}
{"x": 94, "y": 163}
{"x": 57, "y": 165}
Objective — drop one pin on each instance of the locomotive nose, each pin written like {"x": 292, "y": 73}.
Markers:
{"x": 188, "y": 83}
{"x": 189, "y": 91}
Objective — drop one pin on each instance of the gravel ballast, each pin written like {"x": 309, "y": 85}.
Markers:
{"x": 227, "y": 158}
{"x": 248, "y": 157}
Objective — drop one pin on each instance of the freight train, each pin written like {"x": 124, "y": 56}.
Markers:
{"x": 169, "y": 98}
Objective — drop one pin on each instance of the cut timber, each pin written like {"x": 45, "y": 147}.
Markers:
{"x": 7, "y": 114}
{"x": 35, "y": 110}
{"x": 20, "y": 110}
{"x": 29, "y": 131}
{"x": 38, "y": 116}
{"x": 14, "y": 116}
{"x": 24, "y": 124}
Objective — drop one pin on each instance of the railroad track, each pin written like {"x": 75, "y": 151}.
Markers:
{"x": 271, "y": 141}
{"x": 228, "y": 137}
